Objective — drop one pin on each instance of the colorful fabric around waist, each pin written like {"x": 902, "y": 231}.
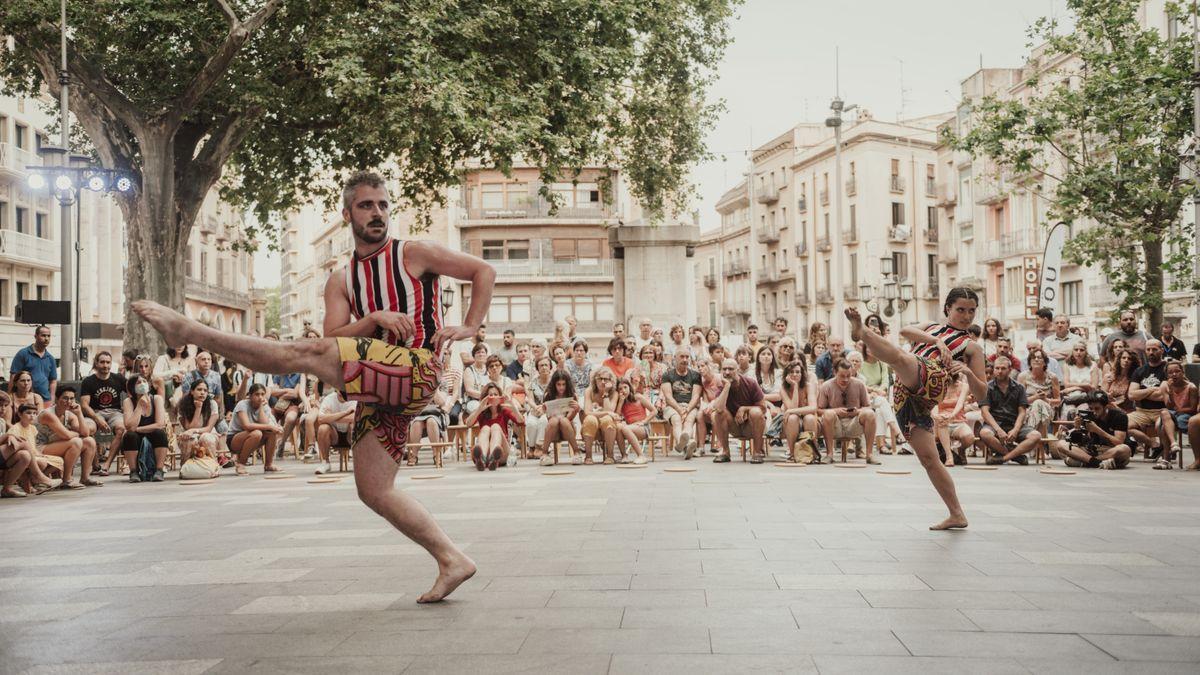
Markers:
{"x": 390, "y": 379}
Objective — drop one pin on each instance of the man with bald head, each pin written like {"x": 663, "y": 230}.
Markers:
{"x": 741, "y": 410}
{"x": 825, "y": 362}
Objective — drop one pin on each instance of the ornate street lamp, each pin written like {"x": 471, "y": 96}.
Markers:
{"x": 447, "y": 298}
{"x": 891, "y": 296}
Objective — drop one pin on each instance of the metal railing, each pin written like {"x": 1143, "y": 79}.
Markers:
{"x": 767, "y": 275}
{"x": 215, "y": 294}
{"x": 801, "y": 248}
{"x": 930, "y": 187}
{"x": 710, "y": 281}
{"x": 1011, "y": 244}
{"x": 547, "y": 269}
{"x": 735, "y": 268}
{"x": 768, "y": 234}
{"x": 16, "y": 159}
{"x": 28, "y": 248}
{"x": 931, "y": 288}
{"x": 767, "y": 194}
{"x": 850, "y": 235}
{"x": 540, "y": 208}
{"x": 897, "y": 183}
{"x": 899, "y": 233}
{"x": 824, "y": 295}
{"x": 823, "y": 244}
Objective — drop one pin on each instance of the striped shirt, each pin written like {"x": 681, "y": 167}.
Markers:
{"x": 957, "y": 340}
{"x": 381, "y": 282}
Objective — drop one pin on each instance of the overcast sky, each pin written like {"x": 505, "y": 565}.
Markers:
{"x": 779, "y": 70}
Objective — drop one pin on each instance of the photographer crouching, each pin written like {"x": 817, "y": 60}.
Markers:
{"x": 1098, "y": 437}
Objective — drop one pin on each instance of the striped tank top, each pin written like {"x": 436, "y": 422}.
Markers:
{"x": 381, "y": 282}
{"x": 957, "y": 340}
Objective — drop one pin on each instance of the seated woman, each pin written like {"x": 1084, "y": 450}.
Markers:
{"x": 491, "y": 420}
{"x": 61, "y": 433}
{"x": 145, "y": 419}
{"x": 335, "y": 415}
{"x": 634, "y": 426}
{"x": 535, "y": 413}
{"x": 1079, "y": 376}
{"x": 1041, "y": 387}
{"x": 198, "y": 417}
{"x": 600, "y": 415}
{"x": 16, "y": 459}
{"x": 24, "y": 436}
{"x": 254, "y": 427}
{"x": 561, "y": 426}
{"x": 950, "y": 422}
{"x": 711, "y": 386}
{"x": 436, "y": 417}
{"x": 798, "y": 405}
{"x": 475, "y": 375}
{"x": 20, "y": 390}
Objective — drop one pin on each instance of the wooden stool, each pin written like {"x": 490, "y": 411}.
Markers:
{"x": 659, "y": 428}
{"x": 344, "y": 457}
{"x": 460, "y": 436}
{"x": 435, "y": 448}
{"x": 651, "y": 441}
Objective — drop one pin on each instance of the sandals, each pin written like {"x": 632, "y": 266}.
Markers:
{"x": 721, "y": 459}
{"x": 493, "y": 460}
{"x": 71, "y": 486}
{"x": 271, "y": 469}
{"x": 99, "y": 472}
{"x": 13, "y": 493}
{"x": 92, "y": 483}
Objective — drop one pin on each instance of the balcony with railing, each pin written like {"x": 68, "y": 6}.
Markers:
{"x": 851, "y": 186}
{"x": 767, "y": 194}
{"x": 931, "y": 288}
{"x": 824, "y": 296}
{"x": 802, "y": 205}
{"x": 789, "y": 273}
{"x": 801, "y": 249}
{"x": 768, "y": 234}
{"x": 946, "y": 194}
{"x": 850, "y": 292}
{"x": 1016, "y": 243}
{"x": 991, "y": 190}
{"x": 549, "y": 270}
{"x": 850, "y": 235}
{"x": 897, "y": 184}
{"x": 802, "y": 298}
{"x": 767, "y": 275}
{"x": 536, "y": 207}
{"x": 931, "y": 235}
{"x": 823, "y": 196}
{"x": 28, "y": 249}
{"x": 823, "y": 244}
{"x": 710, "y": 281}
{"x": 899, "y": 233}
{"x": 735, "y": 307}
{"x": 732, "y": 269}
{"x": 217, "y": 295}
{"x": 14, "y": 159}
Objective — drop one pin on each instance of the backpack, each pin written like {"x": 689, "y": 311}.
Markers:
{"x": 804, "y": 451}
{"x": 146, "y": 463}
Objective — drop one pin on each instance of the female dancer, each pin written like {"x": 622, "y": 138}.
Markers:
{"x": 940, "y": 352}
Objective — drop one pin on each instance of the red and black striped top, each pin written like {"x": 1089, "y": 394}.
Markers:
{"x": 957, "y": 340}
{"x": 381, "y": 282}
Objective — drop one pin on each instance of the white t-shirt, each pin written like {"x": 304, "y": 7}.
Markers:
{"x": 332, "y": 405}
{"x": 1061, "y": 345}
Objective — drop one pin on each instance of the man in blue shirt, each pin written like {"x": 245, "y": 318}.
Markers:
{"x": 825, "y": 362}
{"x": 37, "y": 359}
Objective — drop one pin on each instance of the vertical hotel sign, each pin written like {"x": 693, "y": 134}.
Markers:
{"x": 1032, "y": 280}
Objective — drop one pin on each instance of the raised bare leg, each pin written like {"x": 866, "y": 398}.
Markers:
{"x": 903, "y": 363}
{"x": 923, "y": 443}
{"x": 317, "y": 357}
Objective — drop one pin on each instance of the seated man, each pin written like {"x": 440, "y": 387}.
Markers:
{"x": 1004, "y": 418}
{"x": 846, "y": 411}
{"x": 1147, "y": 393}
{"x": 681, "y": 394}
{"x": 62, "y": 433}
{"x": 100, "y": 400}
{"x": 740, "y": 410}
{"x": 288, "y": 403}
{"x": 1182, "y": 399}
{"x": 1098, "y": 438}
{"x": 333, "y": 422}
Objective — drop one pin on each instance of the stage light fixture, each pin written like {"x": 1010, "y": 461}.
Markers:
{"x": 36, "y": 181}
{"x": 124, "y": 184}
{"x": 96, "y": 184}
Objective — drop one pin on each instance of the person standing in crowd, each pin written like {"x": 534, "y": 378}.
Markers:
{"x": 681, "y": 396}
{"x": 992, "y": 333}
{"x": 507, "y": 351}
{"x": 1004, "y": 415}
{"x": 618, "y": 330}
{"x": 675, "y": 342}
{"x": 781, "y": 326}
{"x": 1173, "y": 348}
{"x": 1059, "y": 345}
{"x": 145, "y": 420}
{"x": 826, "y": 361}
{"x": 846, "y": 410}
{"x": 741, "y": 411}
{"x": 171, "y": 367}
{"x": 1004, "y": 351}
{"x": 62, "y": 433}
{"x": 100, "y": 401}
{"x": 572, "y": 329}
{"x": 1182, "y": 401}
{"x": 1135, "y": 339}
{"x": 233, "y": 388}
{"x": 697, "y": 346}
{"x": 1146, "y": 391}
{"x": 752, "y": 339}
{"x": 579, "y": 368}
{"x": 37, "y": 360}
{"x": 1044, "y": 323}
{"x": 560, "y": 425}
{"x": 645, "y": 334}
{"x": 617, "y": 362}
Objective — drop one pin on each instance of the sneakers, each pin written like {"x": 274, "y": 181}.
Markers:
{"x": 689, "y": 450}
{"x": 324, "y": 468}
{"x": 134, "y": 477}
{"x": 1162, "y": 463}
{"x": 993, "y": 460}
{"x": 1023, "y": 460}
{"x": 1111, "y": 463}
{"x": 158, "y": 476}
{"x": 548, "y": 460}
{"x": 311, "y": 453}
{"x": 641, "y": 459}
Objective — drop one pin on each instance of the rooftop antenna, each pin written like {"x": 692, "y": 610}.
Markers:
{"x": 903, "y": 93}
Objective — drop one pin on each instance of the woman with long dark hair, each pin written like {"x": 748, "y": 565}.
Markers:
{"x": 145, "y": 418}
{"x": 20, "y": 390}
{"x": 798, "y": 408}
{"x": 939, "y": 353}
{"x": 198, "y": 415}
{"x": 992, "y": 332}
{"x": 561, "y": 425}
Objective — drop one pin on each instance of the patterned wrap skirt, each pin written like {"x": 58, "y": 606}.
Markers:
{"x": 913, "y": 407}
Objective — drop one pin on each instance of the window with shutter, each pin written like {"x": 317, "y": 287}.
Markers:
{"x": 589, "y": 251}
{"x": 564, "y": 249}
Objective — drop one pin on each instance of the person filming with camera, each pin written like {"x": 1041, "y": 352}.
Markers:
{"x": 1097, "y": 438}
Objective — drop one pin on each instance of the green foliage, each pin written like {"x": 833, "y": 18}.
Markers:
{"x": 1102, "y": 136}
{"x": 327, "y": 86}
{"x": 273, "y": 322}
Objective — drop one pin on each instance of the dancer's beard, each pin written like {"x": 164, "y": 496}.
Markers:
{"x": 368, "y": 233}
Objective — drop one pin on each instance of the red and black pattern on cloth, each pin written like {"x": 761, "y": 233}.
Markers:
{"x": 956, "y": 339}
{"x": 913, "y": 407}
{"x": 380, "y": 281}
{"x": 390, "y": 428}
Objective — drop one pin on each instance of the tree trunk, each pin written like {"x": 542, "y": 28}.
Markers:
{"x": 156, "y": 241}
{"x": 1152, "y": 250}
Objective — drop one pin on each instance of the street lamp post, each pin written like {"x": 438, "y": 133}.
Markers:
{"x": 447, "y": 298}
{"x": 838, "y": 106}
{"x": 891, "y": 296}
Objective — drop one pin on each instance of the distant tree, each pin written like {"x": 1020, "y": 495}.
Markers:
{"x": 276, "y": 94}
{"x": 1102, "y": 134}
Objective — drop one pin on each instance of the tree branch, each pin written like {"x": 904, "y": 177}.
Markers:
{"x": 218, "y": 63}
{"x": 201, "y": 173}
{"x": 229, "y": 13}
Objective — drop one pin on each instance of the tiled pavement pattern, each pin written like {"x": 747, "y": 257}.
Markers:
{"x": 734, "y": 568}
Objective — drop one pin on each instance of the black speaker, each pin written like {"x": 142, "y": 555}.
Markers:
{"x": 34, "y": 312}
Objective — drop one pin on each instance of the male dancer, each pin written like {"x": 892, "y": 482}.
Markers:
{"x": 940, "y": 352}
{"x": 383, "y": 349}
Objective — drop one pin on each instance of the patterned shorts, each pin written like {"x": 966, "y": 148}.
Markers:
{"x": 913, "y": 406}
{"x": 390, "y": 384}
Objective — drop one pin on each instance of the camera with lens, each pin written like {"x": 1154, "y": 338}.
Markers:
{"x": 1085, "y": 416}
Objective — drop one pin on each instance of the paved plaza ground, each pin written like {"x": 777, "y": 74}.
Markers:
{"x": 734, "y": 568}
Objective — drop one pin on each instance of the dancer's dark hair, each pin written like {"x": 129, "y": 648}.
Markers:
{"x": 958, "y": 293}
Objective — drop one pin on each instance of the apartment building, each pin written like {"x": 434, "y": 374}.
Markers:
{"x": 218, "y": 278}
{"x": 725, "y": 292}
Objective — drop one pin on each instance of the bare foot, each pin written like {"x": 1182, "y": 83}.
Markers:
{"x": 856, "y": 324}
{"x": 171, "y": 324}
{"x": 449, "y": 578}
{"x": 951, "y": 523}
{"x": 1194, "y": 466}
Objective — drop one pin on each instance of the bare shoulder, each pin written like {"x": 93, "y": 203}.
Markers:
{"x": 336, "y": 279}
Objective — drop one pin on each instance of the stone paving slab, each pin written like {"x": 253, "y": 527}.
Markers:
{"x": 731, "y": 569}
